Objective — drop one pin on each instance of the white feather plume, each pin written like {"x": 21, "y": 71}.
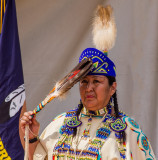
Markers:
{"x": 104, "y": 28}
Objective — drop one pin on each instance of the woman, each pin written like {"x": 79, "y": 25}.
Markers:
{"x": 96, "y": 128}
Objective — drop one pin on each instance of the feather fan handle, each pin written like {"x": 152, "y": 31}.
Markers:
{"x": 66, "y": 83}
{"x": 104, "y": 28}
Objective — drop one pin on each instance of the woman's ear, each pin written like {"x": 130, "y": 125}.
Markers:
{"x": 113, "y": 88}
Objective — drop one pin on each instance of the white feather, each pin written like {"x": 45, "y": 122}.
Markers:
{"x": 104, "y": 33}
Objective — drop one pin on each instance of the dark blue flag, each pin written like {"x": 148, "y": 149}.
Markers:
{"x": 12, "y": 92}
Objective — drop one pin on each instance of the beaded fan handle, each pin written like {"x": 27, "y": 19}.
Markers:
{"x": 43, "y": 103}
{"x": 66, "y": 83}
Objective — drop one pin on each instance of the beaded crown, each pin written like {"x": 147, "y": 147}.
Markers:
{"x": 104, "y": 35}
{"x": 102, "y": 65}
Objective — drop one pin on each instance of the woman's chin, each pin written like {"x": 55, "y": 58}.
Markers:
{"x": 91, "y": 107}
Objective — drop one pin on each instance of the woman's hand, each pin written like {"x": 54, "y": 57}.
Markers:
{"x": 32, "y": 122}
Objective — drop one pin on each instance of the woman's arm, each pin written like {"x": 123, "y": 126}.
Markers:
{"x": 33, "y": 131}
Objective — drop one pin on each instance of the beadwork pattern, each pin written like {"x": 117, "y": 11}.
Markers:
{"x": 73, "y": 122}
{"x": 118, "y": 125}
{"x": 133, "y": 123}
{"x": 142, "y": 140}
{"x": 86, "y": 130}
{"x": 95, "y": 113}
{"x": 102, "y": 65}
{"x": 145, "y": 143}
{"x": 63, "y": 146}
{"x": 93, "y": 150}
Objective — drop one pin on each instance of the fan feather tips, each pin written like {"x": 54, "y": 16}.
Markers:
{"x": 104, "y": 28}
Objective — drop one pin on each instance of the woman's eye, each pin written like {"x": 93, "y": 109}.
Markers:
{"x": 96, "y": 81}
{"x": 84, "y": 81}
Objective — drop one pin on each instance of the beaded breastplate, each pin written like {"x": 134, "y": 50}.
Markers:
{"x": 64, "y": 145}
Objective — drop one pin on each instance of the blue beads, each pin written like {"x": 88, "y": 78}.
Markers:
{"x": 145, "y": 143}
{"x": 90, "y": 119}
{"x": 103, "y": 133}
{"x": 133, "y": 123}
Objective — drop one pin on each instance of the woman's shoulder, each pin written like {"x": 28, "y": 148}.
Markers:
{"x": 131, "y": 122}
{"x": 132, "y": 126}
{"x": 128, "y": 121}
{"x": 136, "y": 137}
{"x": 59, "y": 117}
{"x": 63, "y": 115}
{"x": 57, "y": 121}
{"x": 55, "y": 125}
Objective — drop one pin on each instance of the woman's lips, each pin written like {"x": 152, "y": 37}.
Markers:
{"x": 89, "y": 96}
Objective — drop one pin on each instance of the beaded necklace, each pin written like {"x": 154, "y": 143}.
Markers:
{"x": 95, "y": 147}
{"x": 90, "y": 114}
{"x": 91, "y": 151}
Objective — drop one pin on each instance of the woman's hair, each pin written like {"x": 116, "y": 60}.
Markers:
{"x": 116, "y": 108}
{"x": 111, "y": 80}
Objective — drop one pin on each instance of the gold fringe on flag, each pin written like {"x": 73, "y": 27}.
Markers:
{"x": 2, "y": 13}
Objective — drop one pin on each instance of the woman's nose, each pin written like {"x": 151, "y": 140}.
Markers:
{"x": 89, "y": 87}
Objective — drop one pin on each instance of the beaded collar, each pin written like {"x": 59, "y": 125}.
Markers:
{"x": 64, "y": 145}
{"x": 97, "y": 113}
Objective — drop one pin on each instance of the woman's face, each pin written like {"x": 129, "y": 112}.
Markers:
{"x": 95, "y": 91}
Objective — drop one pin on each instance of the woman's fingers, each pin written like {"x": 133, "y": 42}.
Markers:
{"x": 28, "y": 114}
{"x": 26, "y": 118}
{"x": 34, "y": 120}
{"x": 33, "y": 123}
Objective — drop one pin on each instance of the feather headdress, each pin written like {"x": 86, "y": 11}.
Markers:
{"x": 104, "y": 28}
{"x": 104, "y": 35}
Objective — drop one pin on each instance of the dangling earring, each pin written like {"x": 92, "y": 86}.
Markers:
{"x": 111, "y": 101}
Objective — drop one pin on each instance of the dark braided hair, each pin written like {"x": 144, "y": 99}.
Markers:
{"x": 116, "y": 108}
{"x": 114, "y": 96}
{"x": 111, "y": 80}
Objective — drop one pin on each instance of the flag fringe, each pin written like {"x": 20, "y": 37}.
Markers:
{"x": 2, "y": 13}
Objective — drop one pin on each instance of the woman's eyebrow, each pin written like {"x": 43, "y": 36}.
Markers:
{"x": 100, "y": 77}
